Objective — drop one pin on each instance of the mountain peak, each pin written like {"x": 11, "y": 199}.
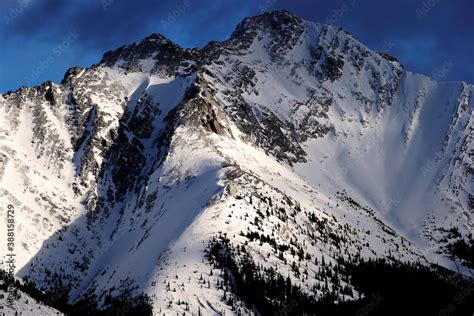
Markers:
{"x": 275, "y": 20}
{"x": 154, "y": 53}
{"x": 277, "y": 17}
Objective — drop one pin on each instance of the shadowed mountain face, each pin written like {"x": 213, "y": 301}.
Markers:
{"x": 292, "y": 138}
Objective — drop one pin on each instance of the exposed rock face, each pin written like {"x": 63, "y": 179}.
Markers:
{"x": 164, "y": 56}
{"x": 289, "y": 129}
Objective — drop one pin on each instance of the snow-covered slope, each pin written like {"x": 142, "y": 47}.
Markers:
{"x": 20, "y": 303}
{"x": 291, "y": 130}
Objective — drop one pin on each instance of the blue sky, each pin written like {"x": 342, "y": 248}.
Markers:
{"x": 41, "y": 39}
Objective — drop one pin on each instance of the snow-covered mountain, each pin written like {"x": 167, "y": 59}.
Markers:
{"x": 291, "y": 138}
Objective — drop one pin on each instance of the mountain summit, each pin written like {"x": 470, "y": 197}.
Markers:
{"x": 290, "y": 145}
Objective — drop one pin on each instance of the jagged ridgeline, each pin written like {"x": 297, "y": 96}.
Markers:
{"x": 343, "y": 182}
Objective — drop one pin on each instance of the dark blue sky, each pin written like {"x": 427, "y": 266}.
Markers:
{"x": 41, "y": 39}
